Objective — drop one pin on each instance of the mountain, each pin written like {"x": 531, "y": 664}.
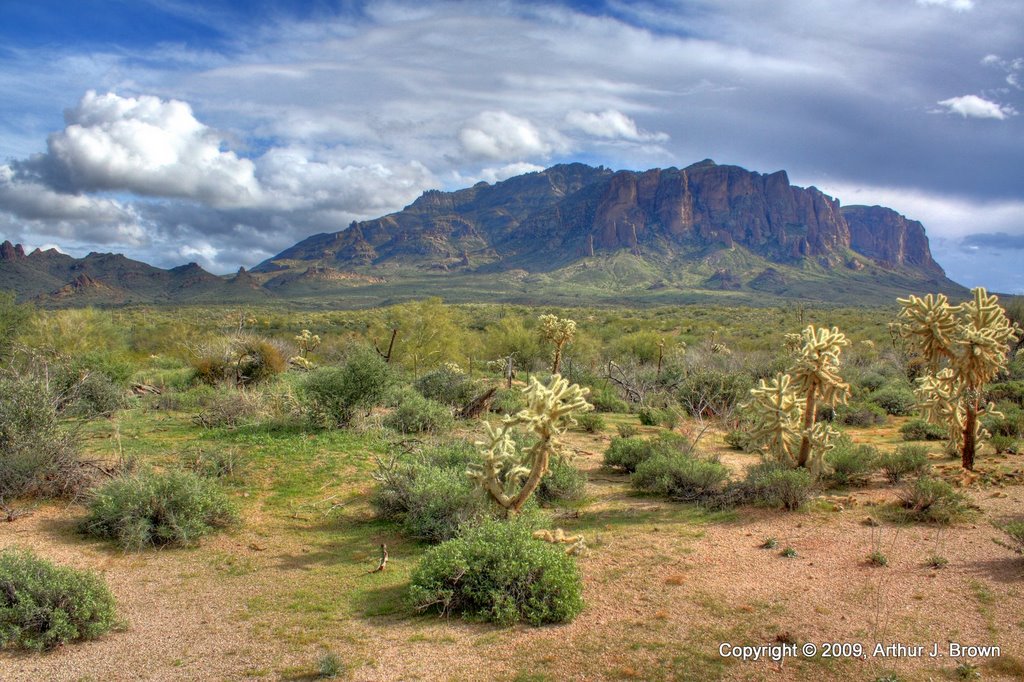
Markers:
{"x": 576, "y": 232}
{"x": 53, "y": 278}
{"x": 571, "y": 234}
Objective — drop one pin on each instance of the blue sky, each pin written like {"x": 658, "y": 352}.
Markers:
{"x": 222, "y": 132}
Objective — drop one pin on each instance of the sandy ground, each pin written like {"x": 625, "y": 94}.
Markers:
{"x": 662, "y": 596}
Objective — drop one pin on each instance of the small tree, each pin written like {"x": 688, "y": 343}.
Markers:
{"x": 558, "y": 331}
{"x": 510, "y": 474}
{"x": 963, "y": 347}
{"x": 785, "y": 409}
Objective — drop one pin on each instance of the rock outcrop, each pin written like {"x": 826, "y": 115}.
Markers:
{"x": 889, "y": 238}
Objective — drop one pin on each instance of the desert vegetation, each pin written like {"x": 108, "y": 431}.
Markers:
{"x": 328, "y": 493}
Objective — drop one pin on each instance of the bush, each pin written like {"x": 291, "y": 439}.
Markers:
{"x": 499, "y": 572}
{"x": 508, "y": 401}
{"x": 416, "y": 414}
{"x": 1016, "y": 532}
{"x": 332, "y": 395}
{"x": 628, "y": 453}
{"x": 43, "y": 606}
{"x": 446, "y": 386}
{"x": 1008, "y": 422}
{"x": 36, "y": 456}
{"x": 230, "y": 408}
{"x": 774, "y": 485}
{"x": 919, "y": 429}
{"x": 563, "y": 482}
{"x": 851, "y": 464}
{"x": 173, "y": 508}
{"x": 605, "y": 399}
{"x": 905, "y": 460}
{"x": 590, "y": 422}
{"x": 871, "y": 381}
{"x": 1012, "y": 391}
{"x": 626, "y": 430}
{"x": 429, "y": 493}
{"x": 650, "y": 416}
{"x": 932, "y": 500}
{"x": 860, "y": 414}
{"x": 257, "y": 361}
{"x": 680, "y": 477}
{"x": 1004, "y": 444}
{"x": 713, "y": 390}
{"x": 895, "y": 400}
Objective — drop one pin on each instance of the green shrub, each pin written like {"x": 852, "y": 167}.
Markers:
{"x": 919, "y": 429}
{"x": 714, "y": 391}
{"x": 626, "y": 430}
{"x": 43, "y": 606}
{"x": 211, "y": 367}
{"x": 332, "y": 395}
{"x": 1016, "y": 532}
{"x": 680, "y": 477}
{"x": 563, "y": 482}
{"x": 1012, "y": 391}
{"x": 36, "y": 456}
{"x": 590, "y": 422}
{"x": 931, "y": 500}
{"x": 851, "y": 464}
{"x": 1008, "y": 422}
{"x": 650, "y": 416}
{"x": 329, "y": 666}
{"x": 871, "y": 381}
{"x": 628, "y": 453}
{"x": 895, "y": 400}
{"x": 429, "y": 493}
{"x": 774, "y": 485}
{"x": 739, "y": 439}
{"x": 508, "y": 401}
{"x": 499, "y": 572}
{"x": 446, "y": 386}
{"x": 860, "y": 414}
{"x": 416, "y": 414}
{"x": 905, "y": 460}
{"x": 605, "y": 399}
{"x": 150, "y": 509}
{"x": 1004, "y": 444}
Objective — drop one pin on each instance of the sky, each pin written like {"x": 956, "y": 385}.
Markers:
{"x": 222, "y": 132}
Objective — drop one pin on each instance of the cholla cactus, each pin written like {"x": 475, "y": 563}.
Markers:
{"x": 558, "y": 331}
{"x": 785, "y": 409}
{"x": 510, "y": 474}
{"x": 452, "y": 367}
{"x": 964, "y": 347}
{"x": 308, "y": 342}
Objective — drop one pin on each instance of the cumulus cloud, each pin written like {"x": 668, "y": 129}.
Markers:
{"x": 972, "y": 106}
{"x": 503, "y": 136}
{"x": 150, "y": 147}
{"x": 74, "y": 216}
{"x": 955, "y": 5}
{"x": 611, "y": 124}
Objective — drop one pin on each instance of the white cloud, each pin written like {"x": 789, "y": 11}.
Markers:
{"x": 151, "y": 147}
{"x": 955, "y": 5}
{"x": 503, "y": 136}
{"x": 977, "y": 107}
{"x": 611, "y": 124}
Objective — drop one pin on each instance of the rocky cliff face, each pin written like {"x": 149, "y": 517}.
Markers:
{"x": 889, "y": 238}
{"x": 540, "y": 221}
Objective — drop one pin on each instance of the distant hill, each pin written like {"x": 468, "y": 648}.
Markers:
{"x": 571, "y": 234}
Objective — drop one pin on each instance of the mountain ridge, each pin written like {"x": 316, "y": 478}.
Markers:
{"x": 569, "y": 232}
